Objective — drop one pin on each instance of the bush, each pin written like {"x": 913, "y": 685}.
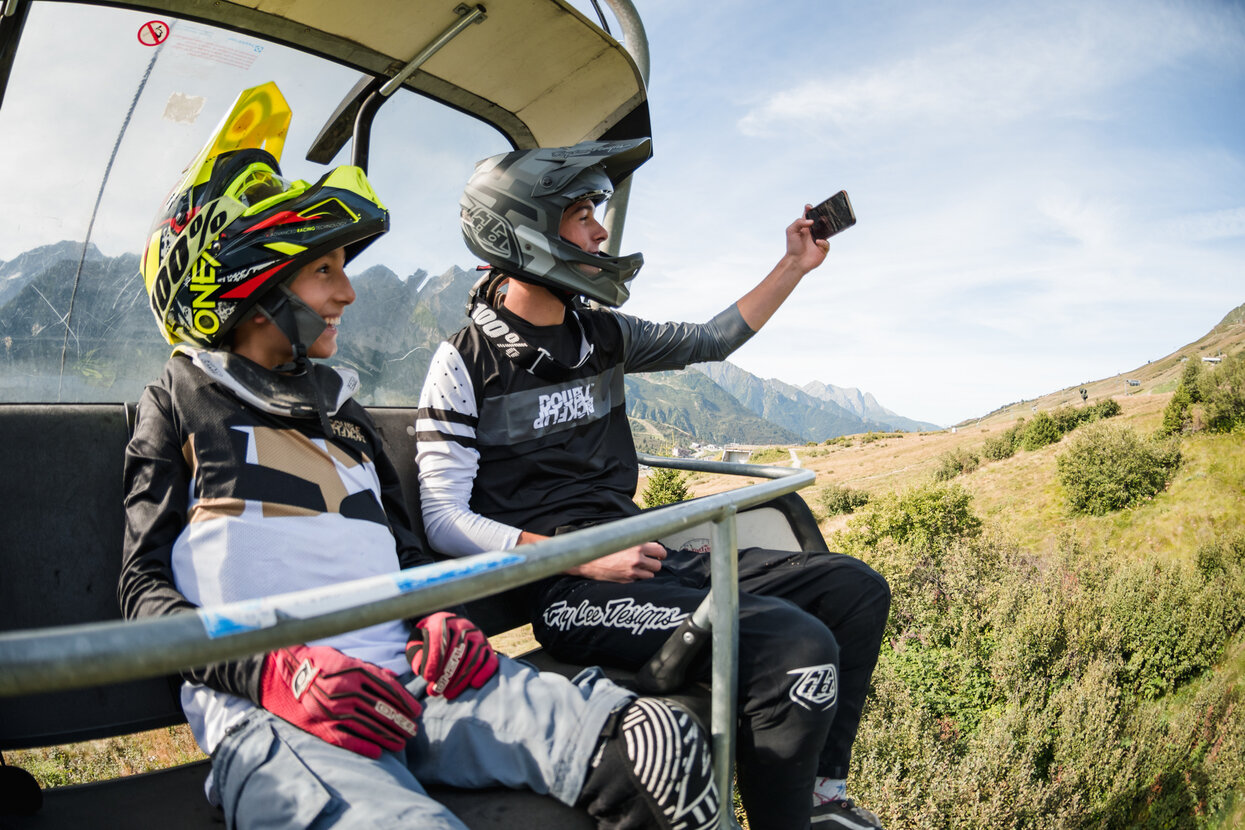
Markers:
{"x": 1067, "y": 419}
{"x": 1222, "y": 393}
{"x": 1176, "y": 415}
{"x": 998, "y": 447}
{"x": 665, "y": 486}
{"x": 954, "y": 462}
{"x": 1108, "y": 408}
{"x": 1039, "y": 432}
{"x": 1109, "y": 467}
{"x": 1076, "y": 692}
{"x": 925, "y": 517}
{"x": 838, "y": 499}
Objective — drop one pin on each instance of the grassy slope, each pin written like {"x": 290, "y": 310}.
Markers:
{"x": 1021, "y": 496}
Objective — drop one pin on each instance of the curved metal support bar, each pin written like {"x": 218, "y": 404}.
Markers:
{"x": 362, "y": 103}
{"x": 633, "y": 35}
{"x": 467, "y": 16}
{"x": 66, "y": 657}
{"x": 635, "y": 40}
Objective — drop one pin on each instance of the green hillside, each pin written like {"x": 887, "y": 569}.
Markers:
{"x": 679, "y": 407}
{"x": 1043, "y": 667}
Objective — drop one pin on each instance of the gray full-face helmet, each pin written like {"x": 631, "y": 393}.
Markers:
{"x": 512, "y": 209}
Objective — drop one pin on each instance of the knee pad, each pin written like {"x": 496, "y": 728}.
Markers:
{"x": 652, "y": 768}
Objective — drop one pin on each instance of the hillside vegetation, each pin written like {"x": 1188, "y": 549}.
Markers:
{"x": 1055, "y": 661}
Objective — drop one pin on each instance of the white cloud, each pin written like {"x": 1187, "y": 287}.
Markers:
{"x": 1011, "y": 63}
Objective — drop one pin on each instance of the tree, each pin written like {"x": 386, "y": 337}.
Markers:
{"x": 665, "y": 486}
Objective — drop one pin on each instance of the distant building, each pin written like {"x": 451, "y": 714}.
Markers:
{"x": 736, "y": 455}
{"x": 1212, "y": 359}
{"x": 1131, "y": 382}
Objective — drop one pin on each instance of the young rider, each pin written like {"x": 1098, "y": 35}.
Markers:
{"x": 523, "y": 432}
{"x": 252, "y": 472}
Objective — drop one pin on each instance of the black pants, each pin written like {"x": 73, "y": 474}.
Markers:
{"x": 810, "y": 627}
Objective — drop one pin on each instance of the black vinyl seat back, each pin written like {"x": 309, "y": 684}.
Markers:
{"x": 62, "y": 525}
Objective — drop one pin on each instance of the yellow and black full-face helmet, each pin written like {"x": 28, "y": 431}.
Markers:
{"x": 234, "y": 231}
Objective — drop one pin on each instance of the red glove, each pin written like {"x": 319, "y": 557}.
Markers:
{"x": 451, "y": 654}
{"x": 347, "y": 702}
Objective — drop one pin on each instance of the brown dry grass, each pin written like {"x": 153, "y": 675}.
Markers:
{"x": 1021, "y": 496}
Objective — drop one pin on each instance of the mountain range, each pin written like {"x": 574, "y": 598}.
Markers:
{"x": 111, "y": 348}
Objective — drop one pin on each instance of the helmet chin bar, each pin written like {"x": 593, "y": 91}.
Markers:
{"x": 300, "y": 324}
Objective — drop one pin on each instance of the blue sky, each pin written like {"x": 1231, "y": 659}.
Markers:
{"x": 1047, "y": 193}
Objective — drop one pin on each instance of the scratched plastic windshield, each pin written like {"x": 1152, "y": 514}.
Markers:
{"x": 103, "y": 110}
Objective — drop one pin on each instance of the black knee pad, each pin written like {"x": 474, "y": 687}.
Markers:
{"x": 652, "y": 768}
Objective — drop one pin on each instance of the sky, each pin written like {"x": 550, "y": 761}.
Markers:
{"x": 1046, "y": 193}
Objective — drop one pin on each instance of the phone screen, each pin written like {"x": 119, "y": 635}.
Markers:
{"x": 831, "y": 216}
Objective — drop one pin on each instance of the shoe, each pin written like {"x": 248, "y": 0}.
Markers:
{"x": 843, "y": 812}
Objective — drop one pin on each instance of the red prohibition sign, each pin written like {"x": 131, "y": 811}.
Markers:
{"x": 153, "y": 32}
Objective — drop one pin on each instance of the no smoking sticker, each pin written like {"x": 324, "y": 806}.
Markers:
{"x": 153, "y": 33}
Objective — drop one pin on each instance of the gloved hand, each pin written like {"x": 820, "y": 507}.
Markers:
{"x": 450, "y": 653}
{"x": 347, "y": 702}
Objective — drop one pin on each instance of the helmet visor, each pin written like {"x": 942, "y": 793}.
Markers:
{"x": 259, "y": 185}
{"x": 591, "y": 184}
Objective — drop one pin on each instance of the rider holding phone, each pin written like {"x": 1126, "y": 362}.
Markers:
{"x": 523, "y": 432}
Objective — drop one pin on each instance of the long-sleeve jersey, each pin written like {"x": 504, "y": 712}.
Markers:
{"x": 502, "y": 450}
{"x": 225, "y": 502}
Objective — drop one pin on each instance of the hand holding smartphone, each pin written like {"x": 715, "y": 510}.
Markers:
{"x": 831, "y": 216}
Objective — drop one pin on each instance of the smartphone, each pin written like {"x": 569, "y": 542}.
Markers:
{"x": 831, "y": 216}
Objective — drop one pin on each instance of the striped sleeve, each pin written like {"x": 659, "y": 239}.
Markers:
{"x": 448, "y": 461}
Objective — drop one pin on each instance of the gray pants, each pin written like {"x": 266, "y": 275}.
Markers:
{"x": 524, "y": 730}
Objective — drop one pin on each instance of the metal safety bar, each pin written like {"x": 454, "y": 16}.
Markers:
{"x": 78, "y": 656}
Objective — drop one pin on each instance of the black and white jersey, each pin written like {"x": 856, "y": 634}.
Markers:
{"x": 502, "y": 449}
{"x": 225, "y": 503}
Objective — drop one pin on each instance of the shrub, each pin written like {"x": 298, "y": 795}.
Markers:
{"x": 1109, "y": 467}
{"x": 998, "y": 447}
{"x": 1039, "y": 432}
{"x": 1170, "y": 623}
{"x": 954, "y": 462}
{"x": 1190, "y": 380}
{"x": 1176, "y": 416}
{"x": 1176, "y": 413}
{"x": 838, "y": 499}
{"x": 665, "y": 486}
{"x": 1067, "y": 419}
{"x": 1075, "y": 692}
{"x": 924, "y": 517}
{"x": 1223, "y": 394}
{"x": 1108, "y": 408}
